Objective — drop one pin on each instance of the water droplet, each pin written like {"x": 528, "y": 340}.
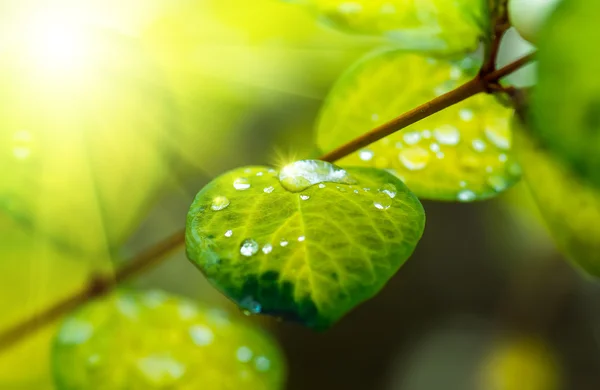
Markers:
{"x": 434, "y": 147}
{"x": 414, "y": 158}
{"x": 502, "y": 157}
{"x": 187, "y": 310}
{"x": 389, "y": 189}
{"x": 498, "y": 183}
{"x": 455, "y": 73}
{"x": 411, "y": 138}
{"x": 356, "y": 191}
{"x": 219, "y": 203}
{"x": 250, "y": 305}
{"x": 466, "y": 196}
{"x": 478, "y": 145}
{"x": 375, "y": 117}
{"x": 466, "y": 114}
{"x": 268, "y": 189}
{"x": 462, "y": 183}
{"x": 272, "y": 171}
{"x": 259, "y": 173}
{"x": 365, "y": 155}
{"x": 283, "y": 242}
{"x": 262, "y": 363}
{"x": 301, "y": 238}
{"x": 302, "y": 174}
{"x": 382, "y": 201}
{"x": 244, "y": 354}
{"x": 440, "y": 155}
{"x": 201, "y": 335}
{"x": 267, "y": 248}
{"x": 321, "y": 185}
{"x": 366, "y": 189}
{"x": 228, "y": 233}
{"x": 447, "y": 135}
{"x": 241, "y": 183}
{"x": 75, "y": 331}
{"x": 154, "y": 298}
{"x": 249, "y": 248}
{"x": 498, "y": 136}
{"x": 426, "y": 134}
{"x": 161, "y": 369}
{"x": 304, "y": 197}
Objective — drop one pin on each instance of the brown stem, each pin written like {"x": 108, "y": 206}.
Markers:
{"x": 101, "y": 285}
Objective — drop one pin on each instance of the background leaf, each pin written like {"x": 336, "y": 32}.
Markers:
{"x": 448, "y": 26}
{"x": 308, "y": 256}
{"x": 566, "y": 102}
{"x": 570, "y": 206}
{"x": 152, "y": 340}
{"x": 461, "y": 153}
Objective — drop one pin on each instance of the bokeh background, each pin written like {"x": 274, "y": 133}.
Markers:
{"x": 114, "y": 114}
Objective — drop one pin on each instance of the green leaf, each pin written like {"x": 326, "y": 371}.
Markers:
{"x": 566, "y": 102}
{"x": 461, "y": 153}
{"x": 449, "y": 26}
{"x": 570, "y": 206}
{"x": 308, "y": 245}
{"x": 153, "y": 340}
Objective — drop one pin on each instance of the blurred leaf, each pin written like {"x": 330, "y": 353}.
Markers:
{"x": 566, "y": 102}
{"x": 461, "y": 153}
{"x": 449, "y": 26}
{"x": 152, "y": 340}
{"x": 570, "y": 206}
{"x": 299, "y": 250}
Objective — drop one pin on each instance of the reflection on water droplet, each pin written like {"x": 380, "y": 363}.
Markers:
{"x": 466, "y": 114}
{"x": 455, "y": 73}
{"x": 302, "y": 174}
{"x": 478, "y": 145}
{"x": 201, "y": 335}
{"x": 356, "y": 191}
{"x": 389, "y": 189}
{"x": 466, "y": 196}
{"x": 498, "y": 136}
{"x": 219, "y": 203}
{"x": 301, "y": 238}
{"x": 447, "y": 135}
{"x": 259, "y": 173}
{"x": 321, "y": 185}
{"x": 251, "y": 305}
{"x": 382, "y": 201}
{"x": 241, "y": 183}
{"x": 440, "y": 155}
{"x": 161, "y": 369}
{"x": 375, "y": 117}
{"x": 267, "y": 248}
{"x": 498, "y": 183}
{"x": 434, "y": 147}
{"x": 249, "y": 247}
{"x": 412, "y": 137}
{"x": 244, "y": 354}
{"x": 75, "y": 331}
{"x": 365, "y": 155}
{"x": 304, "y": 196}
{"x": 426, "y": 134}
{"x": 414, "y": 158}
{"x": 283, "y": 242}
{"x": 262, "y": 363}
{"x": 228, "y": 233}
{"x": 462, "y": 183}
{"x": 268, "y": 189}
{"x": 502, "y": 158}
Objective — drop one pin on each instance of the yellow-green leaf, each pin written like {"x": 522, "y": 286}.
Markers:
{"x": 566, "y": 102}
{"x": 570, "y": 206}
{"x": 461, "y": 153}
{"x": 307, "y": 244}
{"x": 152, "y": 340}
{"x": 428, "y": 25}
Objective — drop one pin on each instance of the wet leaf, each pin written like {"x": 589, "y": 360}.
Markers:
{"x": 570, "y": 206}
{"x": 461, "y": 153}
{"x": 429, "y": 25}
{"x": 566, "y": 102}
{"x": 153, "y": 340}
{"x": 306, "y": 244}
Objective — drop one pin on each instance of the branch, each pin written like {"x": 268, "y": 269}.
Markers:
{"x": 102, "y": 285}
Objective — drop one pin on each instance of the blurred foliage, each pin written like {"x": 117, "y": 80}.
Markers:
{"x": 152, "y": 340}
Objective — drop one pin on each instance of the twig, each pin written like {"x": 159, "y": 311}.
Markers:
{"x": 101, "y": 285}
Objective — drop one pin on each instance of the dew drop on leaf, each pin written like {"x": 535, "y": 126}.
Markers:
{"x": 466, "y": 196}
{"x": 382, "y": 201}
{"x": 241, "y": 183}
{"x": 267, "y": 248}
{"x": 302, "y": 174}
{"x": 447, "y": 135}
{"x": 249, "y": 248}
{"x": 219, "y": 203}
{"x": 414, "y": 158}
{"x": 389, "y": 189}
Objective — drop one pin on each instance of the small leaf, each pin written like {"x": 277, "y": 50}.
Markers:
{"x": 308, "y": 253}
{"x": 461, "y": 153}
{"x": 566, "y": 102}
{"x": 570, "y": 206}
{"x": 429, "y": 25}
{"x": 153, "y": 340}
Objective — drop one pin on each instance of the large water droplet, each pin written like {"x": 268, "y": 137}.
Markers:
{"x": 414, "y": 158}
{"x": 447, "y": 135}
{"x": 466, "y": 196}
{"x": 498, "y": 136}
{"x": 365, "y": 155}
{"x": 249, "y": 248}
{"x": 382, "y": 201}
{"x": 389, "y": 189}
{"x": 267, "y": 248}
{"x": 300, "y": 175}
{"x": 241, "y": 183}
{"x": 412, "y": 137}
{"x": 219, "y": 203}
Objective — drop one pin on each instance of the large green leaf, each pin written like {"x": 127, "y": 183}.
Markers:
{"x": 566, "y": 102}
{"x": 430, "y": 25}
{"x": 461, "y": 153}
{"x": 570, "y": 206}
{"x": 152, "y": 340}
{"x": 308, "y": 245}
